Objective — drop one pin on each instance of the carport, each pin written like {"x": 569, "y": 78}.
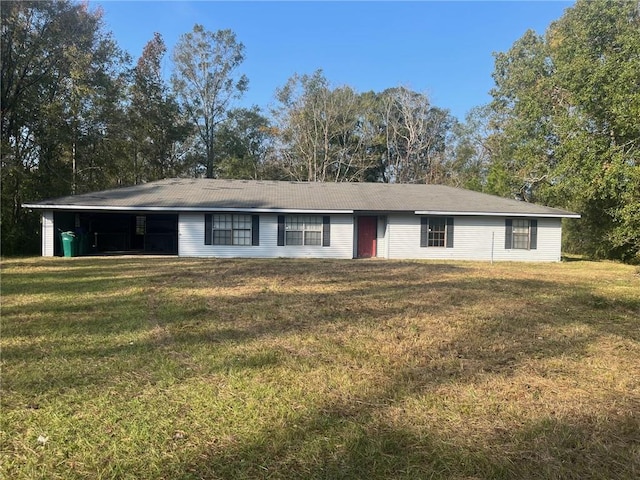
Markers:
{"x": 117, "y": 233}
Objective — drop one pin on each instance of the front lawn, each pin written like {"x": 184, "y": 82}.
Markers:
{"x": 168, "y": 368}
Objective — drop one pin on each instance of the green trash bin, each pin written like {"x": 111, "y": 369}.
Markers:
{"x": 69, "y": 244}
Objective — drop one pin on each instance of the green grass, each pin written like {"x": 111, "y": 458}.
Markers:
{"x": 168, "y": 368}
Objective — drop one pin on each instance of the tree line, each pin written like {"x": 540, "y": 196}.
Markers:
{"x": 79, "y": 115}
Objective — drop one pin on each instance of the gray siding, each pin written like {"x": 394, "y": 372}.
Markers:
{"x": 475, "y": 238}
{"x": 191, "y": 240}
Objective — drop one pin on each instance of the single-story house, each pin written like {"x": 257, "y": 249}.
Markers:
{"x": 270, "y": 219}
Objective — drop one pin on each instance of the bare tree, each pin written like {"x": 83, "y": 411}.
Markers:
{"x": 206, "y": 81}
{"x": 322, "y": 132}
{"x": 415, "y": 137}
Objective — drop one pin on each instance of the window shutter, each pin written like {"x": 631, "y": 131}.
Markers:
{"x": 533, "y": 234}
{"x": 255, "y": 230}
{"x": 424, "y": 231}
{"x": 449, "y": 243}
{"x": 281, "y": 230}
{"x": 326, "y": 231}
{"x": 508, "y": 233}
{"x": 208, "y": 229}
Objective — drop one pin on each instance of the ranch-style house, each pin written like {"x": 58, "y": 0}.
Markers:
{"x": 271, "y": 219}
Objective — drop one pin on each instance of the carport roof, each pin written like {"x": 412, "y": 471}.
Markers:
{"x": 175, "y": 195}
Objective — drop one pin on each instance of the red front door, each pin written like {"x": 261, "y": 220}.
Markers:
{"x": 367, "y": 227}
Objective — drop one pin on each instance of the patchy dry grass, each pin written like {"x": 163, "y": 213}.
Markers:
{"x": 224, "y": 369}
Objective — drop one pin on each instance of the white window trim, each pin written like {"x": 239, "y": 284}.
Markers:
{"x": 316, "y": 226}
{"x": 233, "y": 217}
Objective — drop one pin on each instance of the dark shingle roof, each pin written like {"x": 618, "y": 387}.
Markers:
{"x": 210, "y": 194}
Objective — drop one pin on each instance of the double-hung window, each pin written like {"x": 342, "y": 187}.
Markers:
{"x": 521, "y": 234}
{"x": 436, "y": 232}
{"x": 310, "y": 230}
{"x": 303, "y": 230}
{"x": 231, "y": 229}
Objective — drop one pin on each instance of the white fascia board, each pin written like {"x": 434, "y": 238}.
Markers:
{"x": 498, "y": 214}
{"x": 180, "y": 209}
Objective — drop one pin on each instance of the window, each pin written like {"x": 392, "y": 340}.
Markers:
{"x": 231, "y": 229}
{"x": 436, "y": 232}
{"x": 521, "y": 234}
{"x": 141, "y": 224}
{"x": 303, "y": 230}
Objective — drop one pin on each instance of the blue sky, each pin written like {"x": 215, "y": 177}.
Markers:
{"x": 443, "y": 49}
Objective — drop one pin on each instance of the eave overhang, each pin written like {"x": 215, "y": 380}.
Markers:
{"x": 213, "y": 208}
{"x": 496, "y": 214}
{"x": 104, "y": 208}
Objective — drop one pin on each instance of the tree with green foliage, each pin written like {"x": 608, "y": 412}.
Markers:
{"x": 61, "y": 89}
{"x": 469, "y": 150}
{"x": 566, "y": 107}
{"x": 158, "y": 127}
{"x": 522, "y": 107}
{"x": 242, "y": 143}
{"x": 206, "y": 81}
